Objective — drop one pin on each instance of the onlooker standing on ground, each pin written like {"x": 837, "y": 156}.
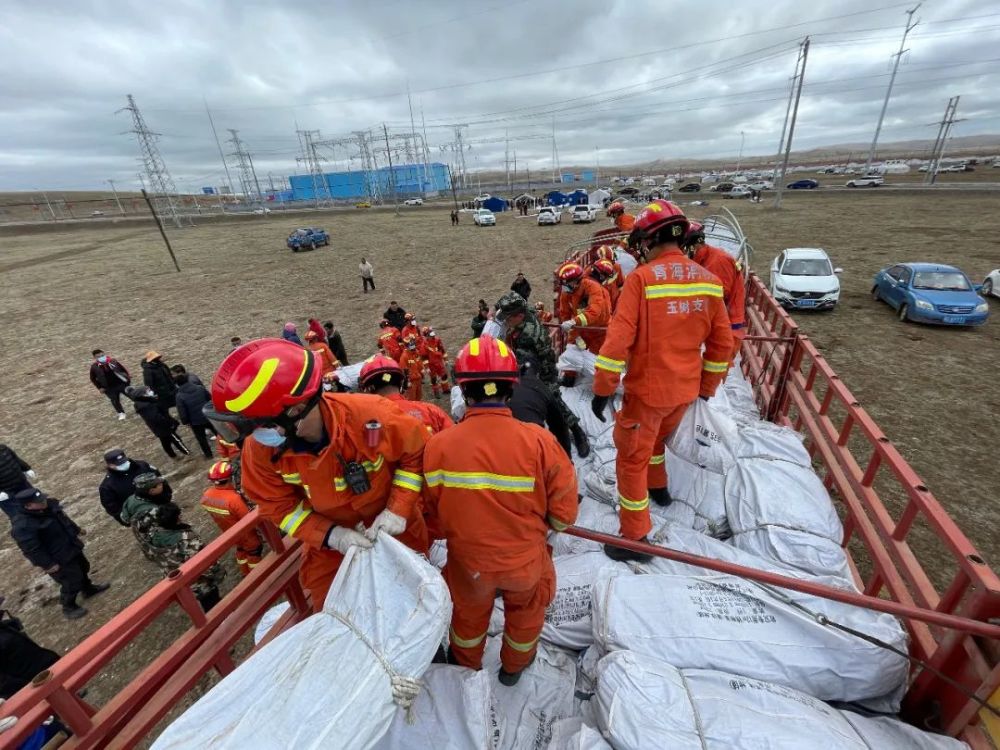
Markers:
{"x": 480, "y": 320}
{"x": 15, "y": 475}
{"x": 191, "y": 396}
{"x": 177, "y": 370}
{"x": 454, "y": 218}
{"x": 117, "y": 487}
{"x": 51, "y": 541}
{"x": 236, "y": 342}
{"x": 156, "y": 375}
{"x": 521, "y": 286}
{"x": 110, "y": 377}
{"x": 290, "y": 333}
{"x": 396, "y": 315}
{"x": 20, "y": 657}
{"x": 367, "y": 275}
{"x": 335, "y": 342}
{"x": 159, "y": 422}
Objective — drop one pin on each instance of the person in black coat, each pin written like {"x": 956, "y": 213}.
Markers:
{"x": 117, "y": 485}
{"x": 51, "y": 541}
{"x": 15, "y": 475}
{"x": 533, "y": 401}
{"x": 156, "y": 375}
{"x": 336, "y": 342}
{"x": 521, "y": 286}
{"x": 20, "y": 657}
{"x": 110, "y": 377}
{"x": 157, "y": 419}
{"x": 191, "y": 397}
{"x": 396, "y": 315}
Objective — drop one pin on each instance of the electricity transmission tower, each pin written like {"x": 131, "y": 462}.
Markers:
{"x": 161, "y": 184}
{"x": 321, "y": 191}
{"x": 944, "y": 131}
{"x": 244, "y": 165}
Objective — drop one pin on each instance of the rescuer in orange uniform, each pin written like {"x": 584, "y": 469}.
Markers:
{"x": 382, "y": 376}
{"x": 670, "y": 308}
{"x": 582, "y": 302}
{"x": 541, "y": 313}
{"x": 623, "y": 221}
{"x": 320, "y": 464}
{"x": 227, "y": 507}
{"x": 603, "y": 272}
{"x": 495, "y": 486}
{"x": 727, "y": 268}
{"x": 437, "y": 360}
{"x": 328, "y": 362}
{"x": 412, "y": 362}
{"x": 607, "y": 252}
{"x": 412, "y": 329}
{"x": 389, "y": 340}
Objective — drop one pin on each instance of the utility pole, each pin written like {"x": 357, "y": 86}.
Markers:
{"x": 910, "y": 25}
{"x": 159, "y": 225}
{"x": 392, "y": 173}
{"x": 942, "y": 138}
{"x": 115, "y": 192}
{"x": 454, "y": 195}
{"x": 784, "y": 127}
{"x": 218, "y": 145}
{"x": 506, "y": 156}
{"x": 597, "y": 167}
{"x": 800, "y": 72}
{"x": 739, "y": 159}
{"x": 160, "y": 181}
{"x": 556, "y": 176}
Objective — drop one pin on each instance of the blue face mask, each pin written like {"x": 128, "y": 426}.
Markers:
{"x": 103, "y": 358}
{"x": 269, "y": 436}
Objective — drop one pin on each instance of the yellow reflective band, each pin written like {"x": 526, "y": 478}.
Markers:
{"x": 252, "y": 564}
{"x": 256, "y": 387}
{"x": 657, "y": 460}
{"x": 408, "y": 480}
{"x": 290, "y": 523}
{"x": 217, "y": 511}
{"x": 241, "y": 561}
{"x": 556, "y": 524}
{"x": 633, "y": 505}
{"x": 373, "y": 467}
{"x": 611, "y": 365}
{"x": 582, "y": 318}
{"x": 292, "y": 478}
{"x": 522, "y": 647}
{"x": 465, "y": 642}
{"x": 662, "y": 291}
{"x": 710, "y": 366}
{"x": 504, "y": 351}
{"x": 474, "y": 347}
{"x": 472, "y": 480}
{"x": 306, "y": 354}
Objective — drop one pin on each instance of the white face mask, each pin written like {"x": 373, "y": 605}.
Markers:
{"x": 123, "y": 466}
{"x": 567, "y": 288}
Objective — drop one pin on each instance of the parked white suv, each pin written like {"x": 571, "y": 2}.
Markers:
{"x": 549, "y": 215}
{"x": 869, "y": 180}
{"x": 584, "y": 214}
{"x": 413, "y": 202}
{"x": 804, "y": 278}
{"x": 483, "y": 217}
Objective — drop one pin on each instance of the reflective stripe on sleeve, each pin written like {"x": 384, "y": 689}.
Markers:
{"x": 633, "y": 505}
{"x": 657, "y": 460}
{"x": 611, "y": 365}
{"x": 217, "y": 511}
{"x": 408, "y": 480}
{"x": 473, "y": 480}
{"x": 465, "y": 642}
{"x": 290, "y": 523}
{"x": 717, "y": 367}
{"x": 582, "y": 319}
{"x": 291, "y": 478}
{"x": 703, "y": 289}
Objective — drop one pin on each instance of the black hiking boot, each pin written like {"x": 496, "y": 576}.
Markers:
{"x": 74, "y": 613}
{"x": 95, "y": 589}
{"x": 510, "y": 679}
{"x": 580, "y": 441}
{"x": 660, "y": 496}
{"x": 620, "y": 554}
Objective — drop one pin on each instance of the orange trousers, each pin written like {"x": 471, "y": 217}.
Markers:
{"x": 247, "y": 560}
{"x": 738, "y": 336}
{"x": 640, "y": 433}
{"x": 438, "y": 373}
{"x": 415, "y": 391}
{"x": 526, "y": 594}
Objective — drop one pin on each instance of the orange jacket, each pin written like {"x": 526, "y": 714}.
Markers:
{"x": 625, "y": 222}
{"x": 227, "y": 507}
{"x": 413, "y": 330}
{"x": 723, "y": 265}
{"x": 412, "y": 362}
{"x": 495, "y": 486}
{"x": 226, "y": 449}
{"x": 668, "y": 309}
{"x": 305, "y": 494}
{"x": 432, "y": 416}
{"x": 325, "y": 356}
{"x": 388, "y": 341}
{"x": 588, "y": 305}
{"x": 544, "y": 316}
{"x": 614, "y": 291}
{"x": 434, "y": 350}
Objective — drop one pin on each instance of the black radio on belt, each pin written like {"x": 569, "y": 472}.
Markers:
{"x": 355, "y": 476}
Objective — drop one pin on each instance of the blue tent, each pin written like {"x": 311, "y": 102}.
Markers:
{"x": 495, "y": 204}
{"x": 578, "y": 198}
{"x": 555, "y": 198}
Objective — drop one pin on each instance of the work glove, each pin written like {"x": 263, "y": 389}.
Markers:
{"x": 388, "y": 522}
{"x": 31, "y": 475}
{"x": 598, "y": 404}
{"x": 342, "y": 539}
{"x": 566, "y": 325}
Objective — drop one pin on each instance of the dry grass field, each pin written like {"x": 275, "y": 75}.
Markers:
{"x": 933, "y": 391}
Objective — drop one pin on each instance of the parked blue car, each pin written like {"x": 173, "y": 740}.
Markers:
{"x": 308, "y": 238}
{"x": 931, "y": 293}
{"x": 803, "y": 185}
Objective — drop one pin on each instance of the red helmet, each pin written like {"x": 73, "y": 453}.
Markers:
{"x": 264, "y": 377}
{"x": 220, "y": 471}
{"x": 485, "y": 358}
{"x": 604, "y": 267}
{"x": 379, "y": 370}
{"x": 606, "y": 252}
{"x": 570, "y": 271}
{"x": 659, "y": 215}
{"x": 694, "y": 234}
{"x": 616, "y": 208}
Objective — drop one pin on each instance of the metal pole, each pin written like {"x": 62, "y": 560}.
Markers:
{"x": 159, "y": 225}
{"x": 949, "y": 120}
{"x": 392, "y": 174}
{"x": 932, "y": 163}
{"x": 112, "y": 184}
{"x": 218, "y": 144}
{"x": 454, "y": 195}
{"x": 260, "y": 195}
{"x": 788, "y": 114}
{"x": 739, "y": 159}
{"x": 892, "y": 80}
{"x": 791, "y": 125}
{"x": 51, "y": 212}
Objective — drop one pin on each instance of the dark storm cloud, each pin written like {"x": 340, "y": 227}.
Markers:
{"x": 665, "y": 90}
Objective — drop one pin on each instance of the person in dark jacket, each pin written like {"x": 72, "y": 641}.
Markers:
{"x": 20, "y": 657}
{"x": 110, "y": 377}
{"x": 480, "y": 320}
{"x": 15, "y": 475}
{"x": 521, "y": 286}
{"x": 117, "y": 485}
{"x": 156, "y": 375}
{"x": 159, "y": 422}
{"x": 290, "y": 333}
{"x": 191, "y": 397}
{"x": 396, "y": 315}
{"x": 532, "y": 401}
{"x": 51, "y": 541}
{"x": 336, "y": 342}
{"x": 177, "y": 370}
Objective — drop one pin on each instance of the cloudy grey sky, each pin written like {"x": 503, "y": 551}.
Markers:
{"x": 624, "y": 80}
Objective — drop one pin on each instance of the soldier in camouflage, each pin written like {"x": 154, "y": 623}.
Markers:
{"x": 165, "y": 539}
{"x": 525, "y": 334}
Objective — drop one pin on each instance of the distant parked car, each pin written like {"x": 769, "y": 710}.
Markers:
{"x": 803, "y": 185}
{"x": 628, "y": 191}
{"x": 991, "y": 284}
{"x": 584, "y": 214}
{"x": 869, "y": 180}
{"x": 483, "y": 217}
{"x": 96, "y": 214}
{"x": 413, "y": 202}
{"x": 722, "y": 187}
{"x": 261, "y": 211}
{"x": 307, "y": 238}
{"x": 739, "y": 191}
{"x": 761, "y": 185}
{"x": 549, "y": 215}
{"x": 363, "y": 204}
{"x": 804, "y": 277}
{"x": 930, "y": 293}
{"x": 691, "y": 187}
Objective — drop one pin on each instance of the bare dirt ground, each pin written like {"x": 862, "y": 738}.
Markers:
{"x": 63, "y": 294}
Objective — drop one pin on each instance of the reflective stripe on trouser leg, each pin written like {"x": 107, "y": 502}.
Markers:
{"x": 526, "y": 595}
{"x": 656, "y": 474}
{"x": 472, "y": 601}
{"x": 656, "y": 470}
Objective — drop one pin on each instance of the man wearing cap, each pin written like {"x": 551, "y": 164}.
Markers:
{"x": 156, "y": 375}
{"x": 51, "y": 541}
{"x": 15, "y": 475}
{"x": 117, "y": 485}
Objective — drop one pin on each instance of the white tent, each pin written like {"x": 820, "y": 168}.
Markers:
{"x": 599, "y": 196}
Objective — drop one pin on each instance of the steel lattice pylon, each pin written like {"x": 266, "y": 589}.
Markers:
{"x": 164, "y": 192}
{"x": 248, "y": 179}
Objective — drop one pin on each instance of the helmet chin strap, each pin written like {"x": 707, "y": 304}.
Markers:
{"x": 289, "y": 424}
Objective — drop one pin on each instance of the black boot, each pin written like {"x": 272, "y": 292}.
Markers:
{"x": 620, "y": 554}
{"x": 580, "y": 441}
{"x": 94, "y": 589}
{"x": 72, "y": 610}
{"x": 510, "y": 679}
{"x": 660, "y": 496}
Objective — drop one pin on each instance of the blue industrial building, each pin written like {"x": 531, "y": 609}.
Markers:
{"x": 406, "y": 179}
